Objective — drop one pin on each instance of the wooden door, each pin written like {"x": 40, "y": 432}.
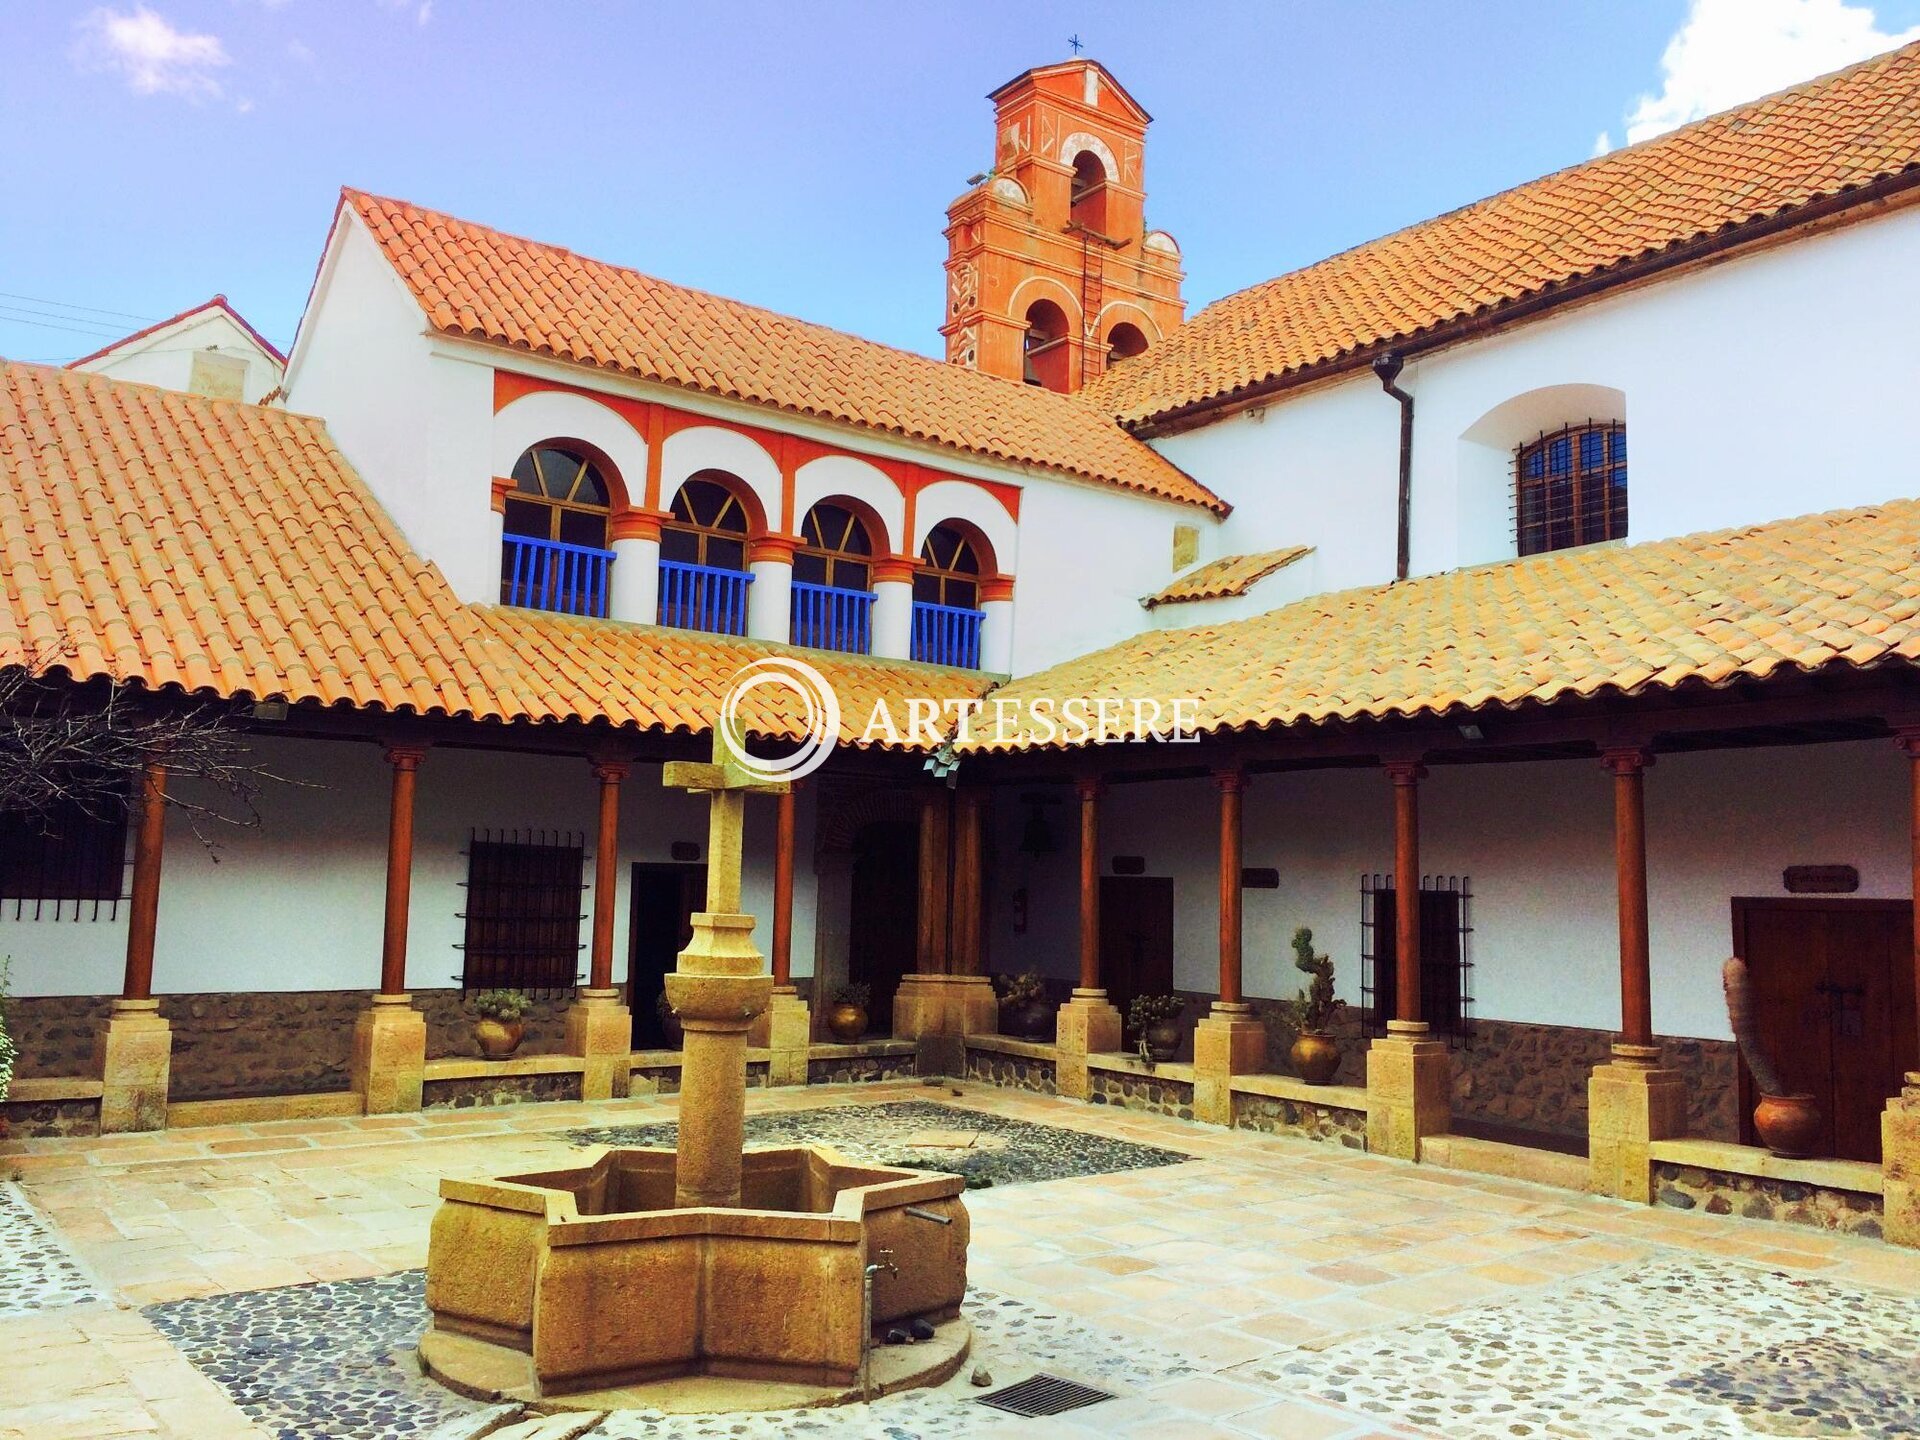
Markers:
{"x": 883, "y": 927}
{"x": 1833, "y": 992}
{"x": 660, "y": 910}
{"x": 1136, "y": 937}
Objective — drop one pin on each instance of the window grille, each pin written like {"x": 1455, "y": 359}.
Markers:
{"x": 1570, "y": 487}
{"x": 67, "y": 863}
{"x": 525, "y": 894}
{"x": 1446, "y": 961}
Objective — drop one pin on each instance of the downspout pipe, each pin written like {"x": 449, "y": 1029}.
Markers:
{"x": 1388, "y": 368}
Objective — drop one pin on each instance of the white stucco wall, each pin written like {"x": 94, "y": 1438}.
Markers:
{"x": 296, "y": 904}
{"x": 1536, "y": 842}
{"x": 166, "y": 356}
{"x": 1754, "y": 389}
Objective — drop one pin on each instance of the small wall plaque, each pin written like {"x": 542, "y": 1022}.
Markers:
{"x": 1260, "y": 878}
{"x": 1820, "y": 879}
{"x": 1129, "y": 864}
{"x": 684, "y": 850}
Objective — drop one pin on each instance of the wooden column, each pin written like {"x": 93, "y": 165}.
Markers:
{"x": 782, "y": 957}
{"x": 1089, "y": 788}
{"x": 1231, "y": 784}
{"x": 1628, "y": 766}
{"x": 606, "y": 873}
{"x": 144, "y": 905}
{"x": 1406, "y": 776}
{"x": 405, "y": 760}
{"x": 931, "y": 953}
{"x": 967, "y": 887}
{"x": 1909, "y": 740}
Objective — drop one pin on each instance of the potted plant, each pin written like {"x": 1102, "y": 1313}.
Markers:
{"x": 501, "y": 1022}
{"x": 1156, "y": 1020}
{"x": 1311, "y": 1014}
{"x": 1023, "y": 1007}
{"x": 847, "y": 1019}
{"x": 1788, "y": 1122}
{"x": 669, "y": 1022}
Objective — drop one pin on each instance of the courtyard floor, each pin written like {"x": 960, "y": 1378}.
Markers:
{"x": 264, "y": 1281}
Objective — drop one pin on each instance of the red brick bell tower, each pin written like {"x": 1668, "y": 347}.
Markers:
{"x": 1051, "y": 271}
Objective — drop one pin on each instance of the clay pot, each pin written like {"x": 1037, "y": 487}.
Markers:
{"x": 498, "y": 1038}
{"x": 1788, "y": 1125}
{"x": 1031, "y": 1021}
{"x": 1315, "y": 1056}
{"x": 847, "y": 1023}
{"x": 1163, "y": 1039}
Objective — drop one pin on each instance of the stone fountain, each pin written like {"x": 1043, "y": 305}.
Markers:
{"x": 700, "y": 1278}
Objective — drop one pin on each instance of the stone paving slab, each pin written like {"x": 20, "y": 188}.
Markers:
{"x": 37, "y": 1270}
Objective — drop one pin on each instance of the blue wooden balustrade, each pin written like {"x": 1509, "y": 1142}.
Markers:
{"x": 550, "y": 575}
{"x": 829, "y": 618}
{"x": 946, "y": 635}
{"x": 704, "y": 597}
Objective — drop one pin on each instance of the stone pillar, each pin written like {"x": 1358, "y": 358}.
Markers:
{"x": 134, "y": 1054}
{"x": 1409, "y": 1075}
{"x": 770, "y": 596}
{"x": 1631, "y": 1101}
{"x": 599, "y": 1027}
{"x": 390, "y": 1037}
{"x": 787, "y": 1024}
{"x": 1229, "y": 1041}
{"x": 1088, "y": 1024}
{"x": 893, "y": 607}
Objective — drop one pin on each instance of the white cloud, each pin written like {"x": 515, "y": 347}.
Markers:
{"x": 422, "y": 9}
{"x": 1727, "y": 52}
{"x": 144, "y": 49}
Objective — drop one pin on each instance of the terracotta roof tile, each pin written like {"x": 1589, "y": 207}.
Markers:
{"x": 231, "y": 551}
{"x": 486, "y": 285}
{"x": 1828, "y": 136}
{"x": 1228, "y": 576}
{"x": 1801, "y": 593}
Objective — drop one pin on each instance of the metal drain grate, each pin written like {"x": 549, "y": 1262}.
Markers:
{"x": 1044, "y": 1395}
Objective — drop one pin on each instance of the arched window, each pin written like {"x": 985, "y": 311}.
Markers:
{"x": 1570, "y": 487}
{"x": 555, "y": 556}
{"x": 1047, "y": 355}
{"x": 946, "y": 600}
{"x": 1089, "y": 193}
{"x": 832, "y": 580}
{"x": 703, "y": 558}
{"x": 1125, "y": 341}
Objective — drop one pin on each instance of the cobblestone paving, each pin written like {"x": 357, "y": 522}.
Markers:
{"x": 1011, "y": 1152}
{"x": 37, "y": 1271}
{"x": 1675, "y": 1348}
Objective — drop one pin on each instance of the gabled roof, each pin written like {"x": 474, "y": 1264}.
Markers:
{"x": 1748, "y": 165}
{"x": 218, "y": 302}
{"x": 1838, "y": 589}
{"x": 228, "y": 550}
{"x": 485, "y": 285}
{"x": 1226, "y": 578}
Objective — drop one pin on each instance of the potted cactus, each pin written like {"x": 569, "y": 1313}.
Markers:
{"x": 1312, "y": 1013}
{"x": 1155, "y": 1019}
{"x": 1787, "y": 1121}
{"x": 1024, "y": 1011}
{"x": 501, "y": 1021}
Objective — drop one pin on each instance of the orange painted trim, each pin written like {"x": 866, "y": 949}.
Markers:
{"x": 995, "y": 587}
{"x": 503, "y": 486}
{"x": 772, "y": 547}
{"x": 893, "y": 569}
{"x": 656, "y": 433}
{"x": 635, "y": 525}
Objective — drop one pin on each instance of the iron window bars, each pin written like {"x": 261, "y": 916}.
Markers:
{"x": 525, "y": 894}
{"x": 1446, "y": 958}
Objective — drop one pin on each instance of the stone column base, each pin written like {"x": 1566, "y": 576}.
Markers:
{"x": 134, "y": 1055}
{"x": 390, "y": 1055}
{"x": 787, "y": 1026}
{"x": 1631, "y": 1102}
{"x": 600, "y": 1031}
{"x": 1900, "y": 1163}
{"x": 1409, "y": 1090}
{"x": 939, "y": 1012}
{"x": 1088, "y": 1025}
{"x": 1228, "y": 1042}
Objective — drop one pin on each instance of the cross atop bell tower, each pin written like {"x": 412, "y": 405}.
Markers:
{"x": 1052, "y": 273}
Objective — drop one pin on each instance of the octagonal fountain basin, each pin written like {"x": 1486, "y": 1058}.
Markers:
{"x": 586, "y": 1288}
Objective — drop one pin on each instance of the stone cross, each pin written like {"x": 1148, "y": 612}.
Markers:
{"x": 718, "y": 986}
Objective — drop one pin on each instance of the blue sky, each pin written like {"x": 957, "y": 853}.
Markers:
{"x": 799, "y": 156}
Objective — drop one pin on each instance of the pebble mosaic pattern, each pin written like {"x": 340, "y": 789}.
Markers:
{"x": 1019, "y": 1152}
{"x": 1677, "y": 1348}
{"x": 37, "y": 1271}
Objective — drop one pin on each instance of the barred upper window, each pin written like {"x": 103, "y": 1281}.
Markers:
{"x": 1570, "y": 487}
{"x": 67, "y": 862}
{"x": 523, "y": 912}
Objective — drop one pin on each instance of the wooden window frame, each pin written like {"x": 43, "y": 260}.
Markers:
{"x": 1554, "y": 509}
{"x": 834, "y": 555}
{"x": 534, "y": 491}
{"x": 526, "y": 899}
{"x": 706, "y": 532}
{"x": 943, "y": 575}
{"x": 1446, "y": 959}
{"x": 69, "y": 863}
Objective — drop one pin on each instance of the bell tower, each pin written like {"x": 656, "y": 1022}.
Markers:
{"x": 1052, "y": 274}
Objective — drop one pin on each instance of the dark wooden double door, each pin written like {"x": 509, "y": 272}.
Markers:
{"x": 1834, "y": 994}
{"x": 1136, "y": 937}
